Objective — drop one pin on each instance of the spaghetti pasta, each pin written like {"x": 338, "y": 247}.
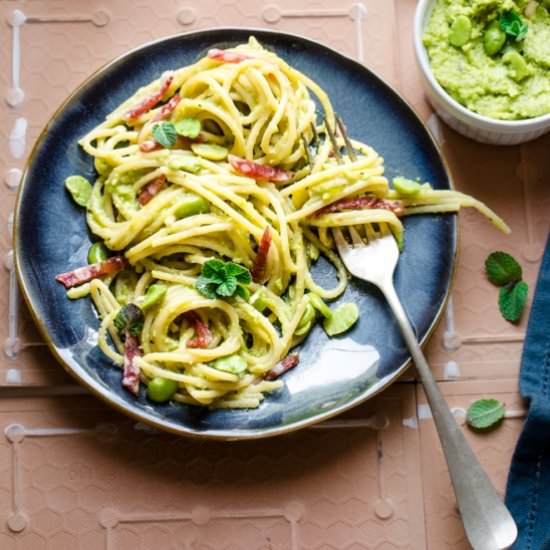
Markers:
{"x": 225, "y": 160}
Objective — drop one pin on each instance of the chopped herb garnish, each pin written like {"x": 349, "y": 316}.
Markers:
{"x": 485, "y": 413}
{"x": 165, "y": 134}
{"x": 223, "y": 279}
{"x": 129, "y": 320}
{"x": 513, "y": 25}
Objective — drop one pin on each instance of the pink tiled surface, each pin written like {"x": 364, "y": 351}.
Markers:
{"x": 75, "y": 476}
{"x": 494, "y": 449}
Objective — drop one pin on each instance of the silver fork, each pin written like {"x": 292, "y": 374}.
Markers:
{"x": 487, "y": 522}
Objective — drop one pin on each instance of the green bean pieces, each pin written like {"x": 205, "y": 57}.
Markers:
{"x": 80, "y": 189}
{"x": 161, "y": 390}
{"x": 97, "y": 253}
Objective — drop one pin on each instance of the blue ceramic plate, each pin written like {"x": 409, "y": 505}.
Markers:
{"x": 51, "y": 237}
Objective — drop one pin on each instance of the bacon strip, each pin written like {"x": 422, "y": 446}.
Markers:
{"x": 130, "y": 373}
{"x": 150, "y": 101}
{"x": 167, "y": 108}
{"x": 227, "y": 56}
{"x": 149, "y": 145}
{"x": 203, "y": 336}
{"x": 151, "y": 189}
{"x": 289, "y": 362}
{"x": 259, "y": 172}
{"x": 87, "y": 273}
{"x": 260, "y": 263}
{"x": 354, "y": 203}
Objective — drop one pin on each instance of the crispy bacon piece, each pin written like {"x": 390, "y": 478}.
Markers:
{"x": 151, "y": 189}
{"x": 260, "y": 263}
{"x": 260, "y": 172}
{"x": 149, "y": 145}
{"x": 354, "y": 203}
{"x": 150, "y": 101}
{"x": 87, "y": 273}
{"x": 130, "y": 373}
{"x": 167, "y": 108}
{"x": 203, "y": 336}
{"x": 289, "y": 362}
{"x": 227, "y": 57}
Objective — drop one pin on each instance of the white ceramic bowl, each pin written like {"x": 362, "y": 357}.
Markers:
{"x": 468, "y": 123}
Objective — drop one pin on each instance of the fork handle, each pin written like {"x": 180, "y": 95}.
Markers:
{"x": 487, "y": 522}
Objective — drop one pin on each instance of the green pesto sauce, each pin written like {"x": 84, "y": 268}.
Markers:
{"x": 492, "y": 85}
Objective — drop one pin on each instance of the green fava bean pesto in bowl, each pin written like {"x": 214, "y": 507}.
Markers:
{"x": 492, "y": 56}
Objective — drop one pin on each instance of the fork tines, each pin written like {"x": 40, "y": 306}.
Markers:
{"x": 332, "y": 137}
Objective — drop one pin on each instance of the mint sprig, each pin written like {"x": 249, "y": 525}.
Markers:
{"x": 513, "y": 25}
{"x": 220, "y": 279}
{"x": 511, "y": 301}
{"x": 503, "y": 270}
{"x": 485, "y": 413}
{"x": 165, "y": 134}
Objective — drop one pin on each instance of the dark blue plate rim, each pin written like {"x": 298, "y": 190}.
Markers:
{"x": 94, "y": 386}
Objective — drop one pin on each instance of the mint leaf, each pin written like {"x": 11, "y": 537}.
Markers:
{"x": 511, "y": 301}
{"x": 214, "y": 268}
{"x": 485, "y": 413}
{"x": 165, "y": 134}
{"x": 501, "y": 268}
{"x": 513, "y": 25}
{"x": 129, "y": 319}
{"x": 188, "y": 127}
{"x": 239, "y": 272}
{"x": 223, "y": 279}
{"x": 206, "y": 287}
{"x": 227, "y": 288}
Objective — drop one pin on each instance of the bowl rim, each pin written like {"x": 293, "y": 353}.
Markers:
{"x": 421, "y": 16}
{"x": 95, "y": 388}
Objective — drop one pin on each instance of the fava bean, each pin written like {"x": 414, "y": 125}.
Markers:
{"x": 125, "y": 283}
{"x": 186, "y": 163}
{"x": 192, "y": 205}
{"x": 80, "y": 189}
{"x": 154, "y": 295}
{"x": 461, "y": 30}
{"x": 518, "y": 66}
{"x": 234, "y": 364}
{"x": 161, "y": 390}
{"x": 97, "y": 253}
{"x": 405, "y": 186}
{"x": 494, "y": 38}
{"x": 209, "y": 151}
{"x": 343, "y": 318}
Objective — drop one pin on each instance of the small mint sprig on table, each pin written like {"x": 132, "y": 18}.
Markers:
{"x": 504, "y": 271}
{"x": 485, "y": 413}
